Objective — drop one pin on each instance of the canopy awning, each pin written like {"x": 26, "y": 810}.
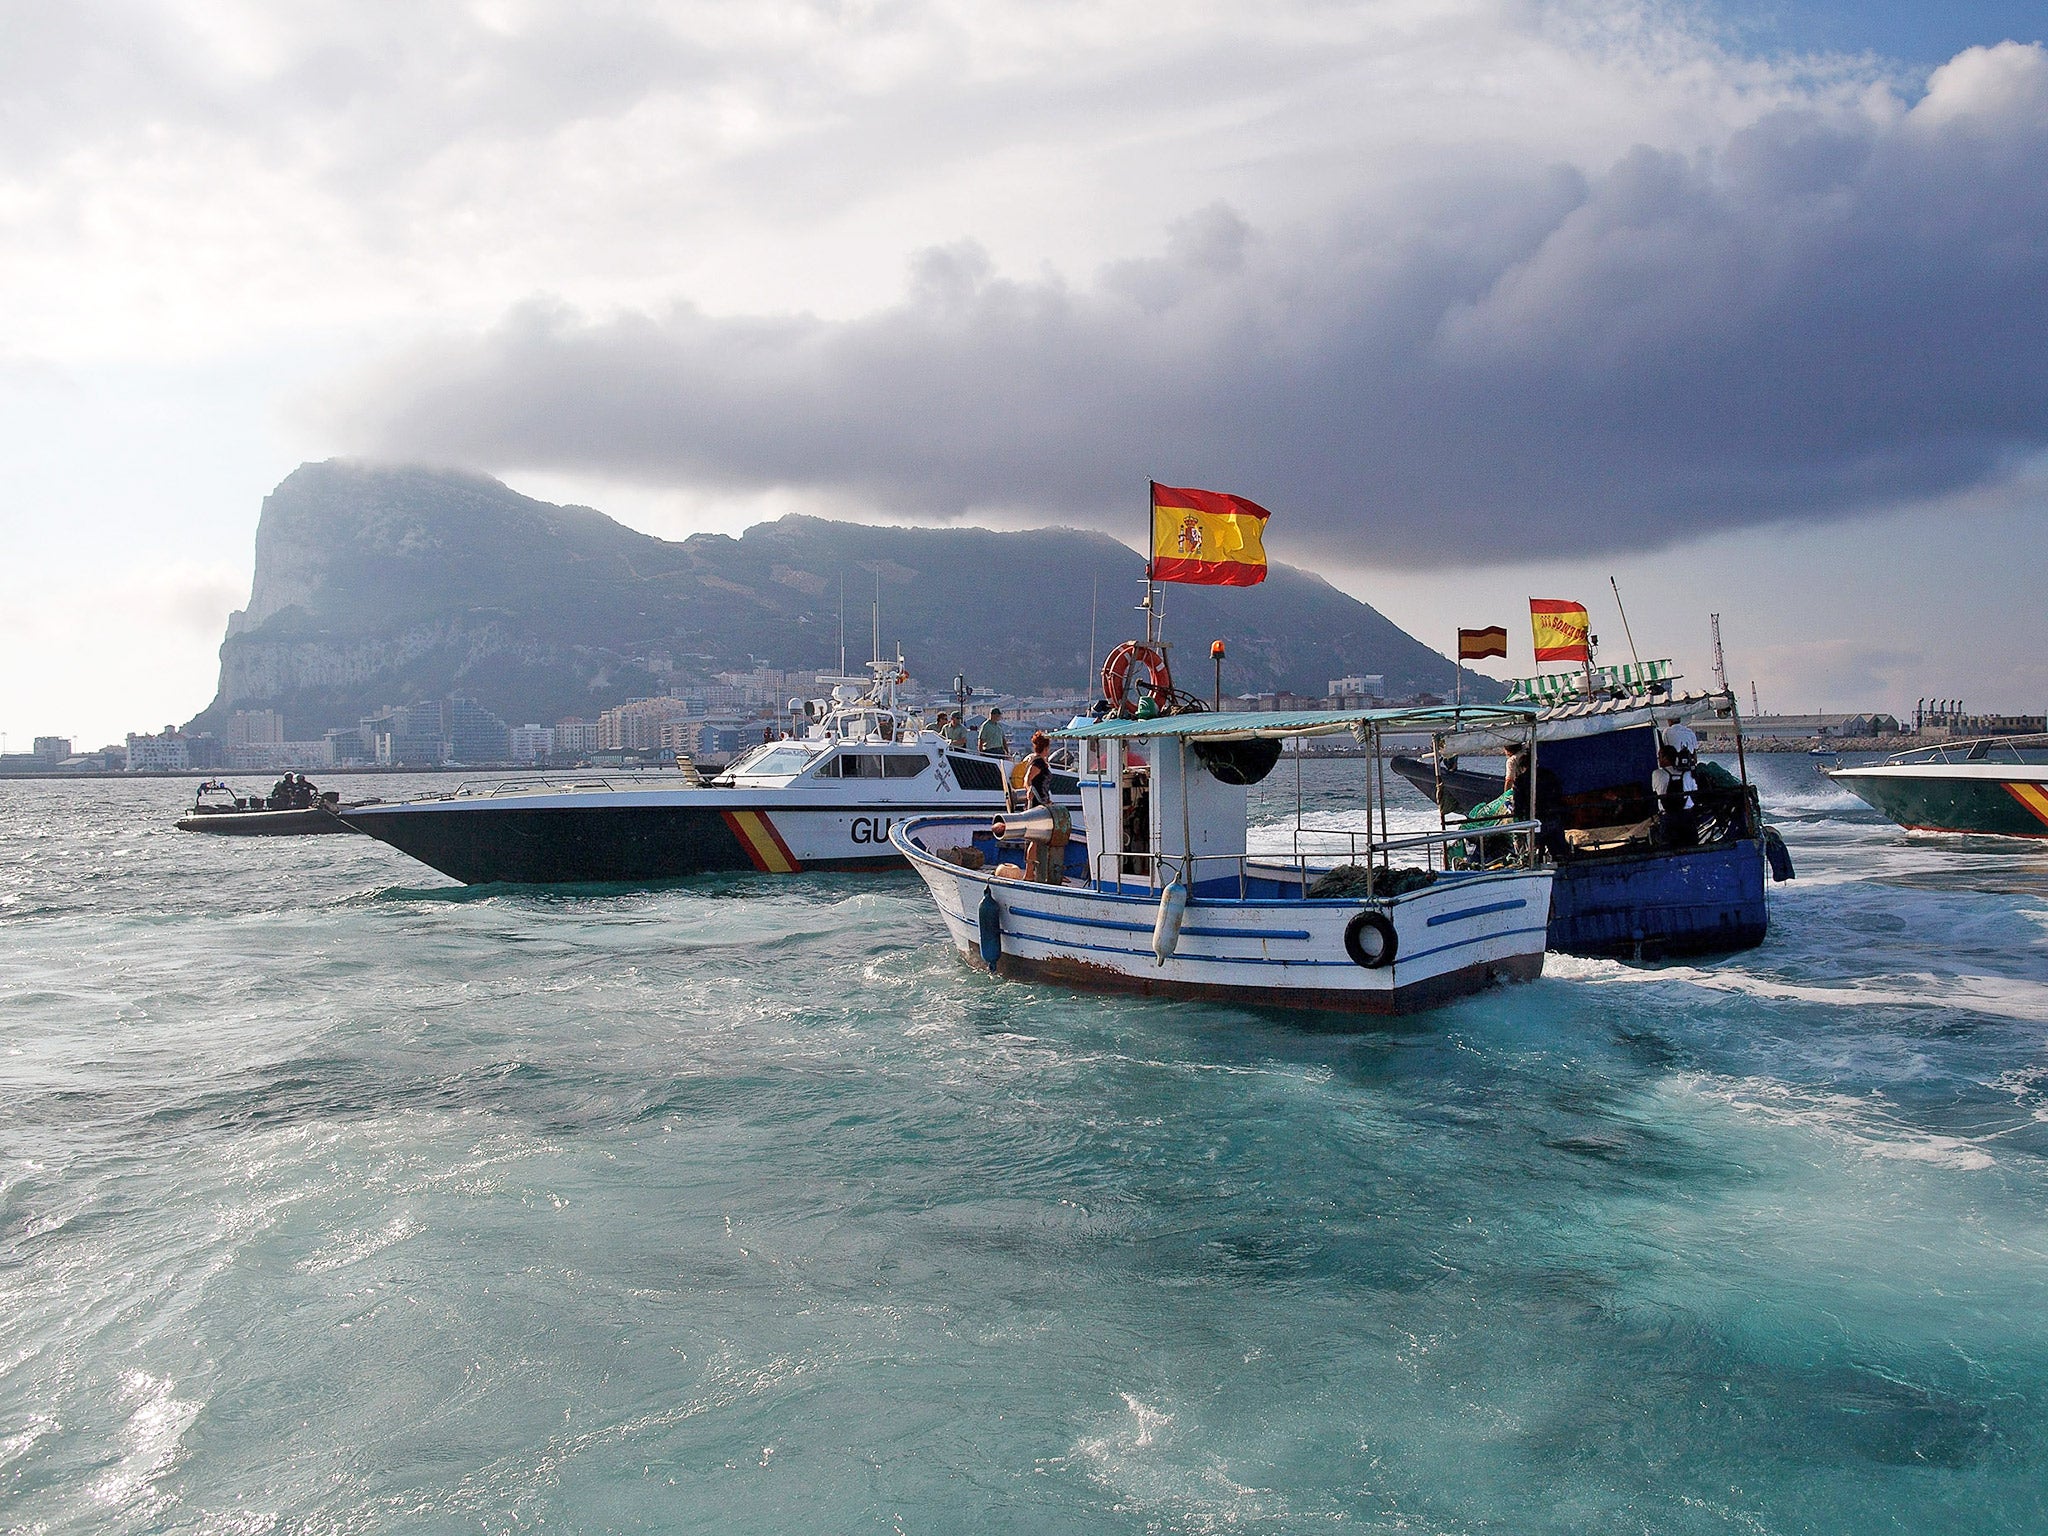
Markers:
{"x": 1247, "y": 725}
{"x": 1593, "y": 717}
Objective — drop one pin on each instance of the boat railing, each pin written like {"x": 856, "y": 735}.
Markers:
{"x": 475, "y": 789}
{"x": 1305, "y": 863}
{"x": 1976, "y": 749}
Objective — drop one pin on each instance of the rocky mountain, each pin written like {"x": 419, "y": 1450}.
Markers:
{"x": 377, "y": 585}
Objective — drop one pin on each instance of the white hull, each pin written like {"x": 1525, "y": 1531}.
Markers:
{"x": 1457, "y": 936}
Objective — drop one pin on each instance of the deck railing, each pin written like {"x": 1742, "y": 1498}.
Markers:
{"x": 1364, "y": 850}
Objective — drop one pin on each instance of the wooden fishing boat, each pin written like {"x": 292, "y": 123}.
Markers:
{"x": 1163, "y": 895}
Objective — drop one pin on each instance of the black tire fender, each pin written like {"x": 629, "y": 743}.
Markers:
{"x": 1370, "y": 941}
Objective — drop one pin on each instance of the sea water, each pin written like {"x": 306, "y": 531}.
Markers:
{"x": 336, "y": 1198}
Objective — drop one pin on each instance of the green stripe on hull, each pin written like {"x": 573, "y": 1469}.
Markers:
{"x": 1930, "y": 804}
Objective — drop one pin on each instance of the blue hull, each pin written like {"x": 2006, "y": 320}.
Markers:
{"x": 1694, "y": 901}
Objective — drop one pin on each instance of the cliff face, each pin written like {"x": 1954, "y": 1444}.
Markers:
{"x": 378, "y": 585}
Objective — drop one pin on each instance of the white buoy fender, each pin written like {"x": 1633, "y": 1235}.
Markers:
{"x": 1173, "y": 906}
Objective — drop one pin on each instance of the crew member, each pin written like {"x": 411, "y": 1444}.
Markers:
{"x": 1046, "y": 861}
{"x": 1678, "y": 736}
{"x": 1547, "y": 809}
{"x": 991, "y": 739}
{"x": 956, "y": 732}
{"x": 1676, "y": 792}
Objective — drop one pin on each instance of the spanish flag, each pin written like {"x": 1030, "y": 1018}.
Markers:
{"x": 1478, "y": 644}
{"x": 1561, "y": 630}
{"x": 1207, "y": 538}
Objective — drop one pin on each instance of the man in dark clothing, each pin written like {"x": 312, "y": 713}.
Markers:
{"x": 1547, "y": 810}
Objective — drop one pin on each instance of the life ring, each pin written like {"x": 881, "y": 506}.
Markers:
{"x": 1116, "y": 672}
{"x": 1369, "y": 940}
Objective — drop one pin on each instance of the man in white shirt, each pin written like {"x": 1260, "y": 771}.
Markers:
{"x": 1678, "y": 736}
{"x": 1676, "y": 791}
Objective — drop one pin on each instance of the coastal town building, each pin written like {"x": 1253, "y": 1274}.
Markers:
{"x": 169, "y": 751}
{"x": 530, "y": 743}
{"x": 575, "y": 738}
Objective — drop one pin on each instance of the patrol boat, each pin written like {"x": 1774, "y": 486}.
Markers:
{"x": 1995, "y": 786}
{"x": 1164, "y": 895}
{"x": 824, "y": 797}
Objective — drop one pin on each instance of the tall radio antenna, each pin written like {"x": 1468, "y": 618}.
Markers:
{"x": 1720, "y": 664}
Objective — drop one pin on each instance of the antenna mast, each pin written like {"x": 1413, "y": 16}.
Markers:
{"x": 1632, "y": 656}
{"x": 842, "y": 623}
{"x": 1720, "y": 664}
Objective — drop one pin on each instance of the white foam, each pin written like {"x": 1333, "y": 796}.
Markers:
{"x": 353, "y": 1247}
{"x": 1866, "y": 1124}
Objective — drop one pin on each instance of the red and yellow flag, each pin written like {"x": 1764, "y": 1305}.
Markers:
{"x": 1478, "y": 644}
{"x": 1207, "y": 538}
{"x": 1562, "y": 629}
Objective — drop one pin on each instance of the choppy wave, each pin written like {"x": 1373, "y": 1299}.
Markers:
{"x": 334, "y": 1198}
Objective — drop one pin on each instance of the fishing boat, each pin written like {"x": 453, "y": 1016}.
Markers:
{"x": 218, "y": 808}
{"x": 1624, "y": 888}
{"x": 1161, "y": 892}
{"x": 824, "y": 795}
{"x": 1994, "y": 786}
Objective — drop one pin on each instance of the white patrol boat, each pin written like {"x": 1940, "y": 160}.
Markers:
{"x": 824, "y": 797}
{"x": 1163, "y": 895}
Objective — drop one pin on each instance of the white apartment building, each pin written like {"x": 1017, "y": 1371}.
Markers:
{"x": 1373, "y": 685}
{"x": 530, "y": 743}
{"x": 575, "y": 736}
{"x": 165, "y": 753}
{"x": 255, "y": 728}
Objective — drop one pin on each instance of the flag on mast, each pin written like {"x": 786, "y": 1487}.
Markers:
{"x": 1478, "y": 644}
{"x": 1562, "y": 630}
{"x": 1207, "y": 538}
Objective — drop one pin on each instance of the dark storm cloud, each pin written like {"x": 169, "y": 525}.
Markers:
{"x": 1837, "y": 308}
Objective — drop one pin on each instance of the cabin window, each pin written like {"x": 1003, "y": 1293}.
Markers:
{"x": 973, "y": 773}
{"x": 775, "y": 762}
{"x": 904, "y": 765}
{"x": 860, "y": 765}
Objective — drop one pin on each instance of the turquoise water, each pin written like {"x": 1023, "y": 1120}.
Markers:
{"x": 334, "y": 1198}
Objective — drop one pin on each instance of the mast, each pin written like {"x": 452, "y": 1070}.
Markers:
{"x": 1632, "y": 656}
{"x": 1151, "y": 586}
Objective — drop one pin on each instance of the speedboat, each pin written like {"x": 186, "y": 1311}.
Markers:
{"x": 218, "y": 808}
{"x": 1621, "y": 889}
{"x": 824, "y": 796}
{"x": 1993, "y": 785}
{"x": 1162, "y": 893}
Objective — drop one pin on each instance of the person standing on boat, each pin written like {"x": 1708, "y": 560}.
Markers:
{"x": 954, "y": 729}
{"x": 1679, "y": 737}
{"x": 991, "y": 739}
{"x": 1540, "y": 801}
{"x": 1046, "y": 861}
{"x": 1677, "y": 796}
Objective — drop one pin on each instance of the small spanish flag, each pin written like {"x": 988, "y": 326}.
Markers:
{"x": 1561, "y": 630}
{"x": 1478, "y": 644}
{"x": 1207, "y": 538}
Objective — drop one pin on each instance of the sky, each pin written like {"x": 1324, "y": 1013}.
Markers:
{"x": 1739, "y": 307}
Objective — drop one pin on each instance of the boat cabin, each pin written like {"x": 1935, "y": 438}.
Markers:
{"x": 1169, "y": 798}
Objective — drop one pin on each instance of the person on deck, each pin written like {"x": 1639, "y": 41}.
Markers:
{"x": 992, "y": 739}
{"x": 1679, "y": 737}
{"x": 1046, "y": 861}
{"x": 1545, "y": 806}
{"x": 1677, "y": 800}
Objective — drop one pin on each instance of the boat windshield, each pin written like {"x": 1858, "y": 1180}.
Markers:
{"x": 773, "y": 760}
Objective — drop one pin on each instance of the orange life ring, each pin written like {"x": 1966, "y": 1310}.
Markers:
{"x": 1116, "y": 672}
